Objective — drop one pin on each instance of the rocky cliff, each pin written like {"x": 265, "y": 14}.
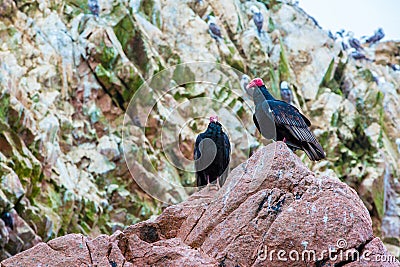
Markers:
{"x": 67, "y": 78}
{"x": 269, "y": 203}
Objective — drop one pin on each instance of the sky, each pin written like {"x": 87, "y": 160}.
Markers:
{"x": 362, "y": 17}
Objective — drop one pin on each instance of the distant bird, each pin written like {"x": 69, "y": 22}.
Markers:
{"x": 395, "y": 67}
{"x": 353, "y": 42}
{"x": 283, "y": 122}
{"x": 213, "y": 29}
{"x": 378, "y": 35}
{"x": 94, "y": 7}
{"x": 286, "y": 93}
{"x": 341, "y": 39}
{"x": 7, "y": 219}
{"x": 257, "y": 18}
{"x": 330, "y": 35}
{"x": 357, "y": 55}
{"x": 375, "y": 77}
{"x": 212, "y": 154}
{"x": 244, "y": 82}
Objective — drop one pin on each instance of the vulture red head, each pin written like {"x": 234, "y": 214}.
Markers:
{"x": 214, "y": 118}
{"x": 255, "y": 82}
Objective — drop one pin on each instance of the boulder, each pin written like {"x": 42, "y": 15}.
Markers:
{"x": 272, "y": 210}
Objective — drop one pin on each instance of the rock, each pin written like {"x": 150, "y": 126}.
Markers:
{"x": 108, "y": 147}
{"x": 21, "y": 237}
{"x": 10, "y": 184}
{"x": 393, "y": 249}
{"x": 118, "y": 250}
{"x": 66, "y": 79}
{"x": 374, "y": 252}
{"x": 7, "y": 8}
{"x": 271, "y": 202}
{"x": 4, "y": 235}
{"x": 98, "y": 163}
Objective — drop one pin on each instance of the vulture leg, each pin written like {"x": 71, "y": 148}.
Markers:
{"x": 222, "y": 178}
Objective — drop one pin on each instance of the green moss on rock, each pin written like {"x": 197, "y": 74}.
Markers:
{"x": 4, "y": 106}
{"x": 133, "y": 43}
{"x": 284, "y": 68}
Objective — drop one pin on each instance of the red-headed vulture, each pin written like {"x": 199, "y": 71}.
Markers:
{"x": 212, "y": 154}
{"x": 278, "y": 120}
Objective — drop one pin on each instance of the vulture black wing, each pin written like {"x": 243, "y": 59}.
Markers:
{"x": 201, "y": 178}
{"x": 227, "y": 153}
{"x": 286, "y": 114}
{"x": 196, "y": 153}
{"x": 288, "y": 118}
{"x": 294, "y": 110}
{"x": 212, "y": 155}
{"x": 227, "y": 149}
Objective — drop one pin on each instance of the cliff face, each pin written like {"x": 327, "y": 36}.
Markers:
{"x": 269, "y": 203}
{"x": 66, "y": 78}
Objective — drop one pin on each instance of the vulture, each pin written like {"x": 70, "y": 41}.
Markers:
{"x": 278, "y": 120}
{"x": 257, "y": 18}
{"x": 212, "y": 151}
{"x": 286, "y": 93}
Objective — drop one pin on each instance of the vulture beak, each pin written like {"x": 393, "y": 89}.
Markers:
{"x": 251, "y": 85}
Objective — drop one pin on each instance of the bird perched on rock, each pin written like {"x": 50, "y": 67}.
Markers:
{"x": 378, "y": 35}
{"x": 257, "y": 18}
{"x": 330, "y": 35}
{"x": 340, "y": 38}
{"x": 94, "y": 7}
{"x": 353, "y": 42}
{"x": 357, "y": 55}
{"x": 7, "y": 219}
{"x": 395, "y": 67}
{"x": 212, "y": 154}
{"x": 278, "y": 120}
{"x": 375, "y": 77}
{"x": 286, "y": 93}
{"x": 213, "y": 28}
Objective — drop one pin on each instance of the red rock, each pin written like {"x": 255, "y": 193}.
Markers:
{"x": 270, "y": 207}
{"x": 40, "y": 255}
{"x": 72, "y": 245}
{"x": 375, "y": 254}
{"x": 105, "y": 103}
